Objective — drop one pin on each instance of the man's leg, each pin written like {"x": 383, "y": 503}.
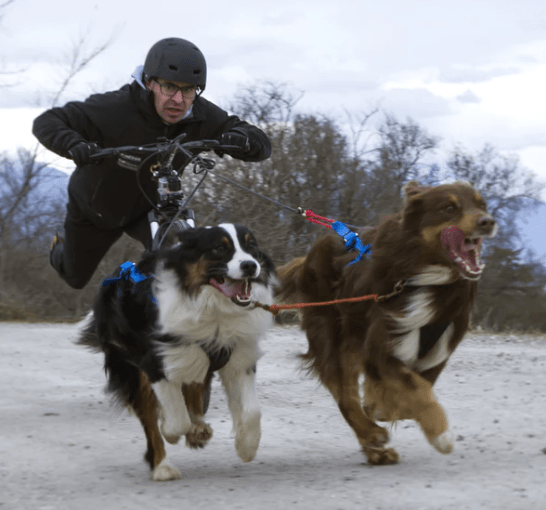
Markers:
{"x": 76, "y": 256}
{"x": 139, "y": 229}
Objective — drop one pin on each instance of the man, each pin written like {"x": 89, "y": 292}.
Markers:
{"x": 104, "y": 199}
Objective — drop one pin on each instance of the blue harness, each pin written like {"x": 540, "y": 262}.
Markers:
{"x": 129, "y": 271}
{"x": 352, "y": 241}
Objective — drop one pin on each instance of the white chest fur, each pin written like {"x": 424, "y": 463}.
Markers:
{"x": 418, "y": 313}
{"x": 208, "y": 316}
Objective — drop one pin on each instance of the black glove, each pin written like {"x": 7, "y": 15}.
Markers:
{"x": 236, "y": 137}
{"x": 81, "y": 153}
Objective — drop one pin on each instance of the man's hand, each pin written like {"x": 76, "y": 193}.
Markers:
{"x": 81, "y": 153}
{"x": 236, "y": 137}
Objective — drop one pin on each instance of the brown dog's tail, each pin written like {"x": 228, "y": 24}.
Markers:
{"x": 315, "y": 276}
{"x": 289, "y": 290}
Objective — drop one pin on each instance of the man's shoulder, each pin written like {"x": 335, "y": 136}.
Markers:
{"x": 110, "y": 98}
{"x": 126, "y": 102}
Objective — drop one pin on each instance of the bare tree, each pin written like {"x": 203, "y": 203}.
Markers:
{"x": 361, "y": 134}
{"x": 25, "y": 216}
{"x": 3, "y": 6}
{"x": 396, "y": 158}
{"x": 76, "y": 60}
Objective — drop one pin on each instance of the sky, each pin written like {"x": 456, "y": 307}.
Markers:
{"x": 468, "y": 71}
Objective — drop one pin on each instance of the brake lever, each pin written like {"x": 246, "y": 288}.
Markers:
{"x": 201, "y": 164}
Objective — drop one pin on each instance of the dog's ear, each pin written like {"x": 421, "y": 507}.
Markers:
{"x": 411, "y": 189}
{"x": 189, "y": 237}
{"x": 412, "y": 212}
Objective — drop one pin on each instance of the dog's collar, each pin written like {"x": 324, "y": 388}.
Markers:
{"x": 218, "y": 357}
{"x": 430, "y": 276}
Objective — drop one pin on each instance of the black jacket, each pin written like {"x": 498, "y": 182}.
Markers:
{"x": 106, "y": 193}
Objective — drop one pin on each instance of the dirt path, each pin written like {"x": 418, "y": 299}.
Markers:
{"x": 62, "y": 446}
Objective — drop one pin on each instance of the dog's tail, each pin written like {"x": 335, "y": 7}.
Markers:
{"x": 315, "y": 276}
{"x": 289, "y": 290}
{"x": 88, "y": 334}
{"x": 123, "y": 377}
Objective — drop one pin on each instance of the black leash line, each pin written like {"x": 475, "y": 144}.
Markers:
{"x": 300, "y": 210}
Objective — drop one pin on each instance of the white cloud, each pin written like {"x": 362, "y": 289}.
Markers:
{"x": 416, "y": 103}
{"x": 470, "y": 74}
{"x": 468, "y": 97}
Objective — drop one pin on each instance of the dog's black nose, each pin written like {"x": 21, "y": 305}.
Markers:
{"x": 487, "y": 226}
{"x": 248, "y": 267}
{"x": 486, "y": 222}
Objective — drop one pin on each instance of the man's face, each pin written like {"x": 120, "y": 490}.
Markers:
{"x": 172, "y": 99}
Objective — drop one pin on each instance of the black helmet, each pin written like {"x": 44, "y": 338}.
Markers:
{"x": 176, "y": 60}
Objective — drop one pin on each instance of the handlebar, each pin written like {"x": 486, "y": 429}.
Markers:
{"x": 169, "y": 202}
{"x": 158, "y": 158}
{"x": 165, "y": 146}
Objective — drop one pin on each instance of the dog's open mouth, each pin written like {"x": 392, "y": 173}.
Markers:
{"x": 465, "y": 251}
{"x": 239, "y": 291}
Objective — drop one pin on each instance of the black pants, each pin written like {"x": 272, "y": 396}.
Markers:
{"x": 85, "y": 244}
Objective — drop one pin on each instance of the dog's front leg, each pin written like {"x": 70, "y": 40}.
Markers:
{"x": 175, "y": 420}
{"x": 239, "y": 381}
{"x": 182, "y": 364}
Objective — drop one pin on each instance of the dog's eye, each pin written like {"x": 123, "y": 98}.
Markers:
{"x": 221, "y": 248}
{"x": 450, "y": 208}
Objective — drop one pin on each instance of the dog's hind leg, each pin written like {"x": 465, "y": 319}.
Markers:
{"x": 145, "y": 407}
{"x": 201, "y": 432}
{"x": 239, "y": 380}
{"x": 345, "y": 390}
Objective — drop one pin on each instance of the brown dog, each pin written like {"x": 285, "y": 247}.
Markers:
{"x": 424, "y": 268}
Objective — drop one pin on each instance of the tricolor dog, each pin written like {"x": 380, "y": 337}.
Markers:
{"x": 166, "y": 324}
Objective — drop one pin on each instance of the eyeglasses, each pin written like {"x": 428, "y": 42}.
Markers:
{"x": 170, "y": 89}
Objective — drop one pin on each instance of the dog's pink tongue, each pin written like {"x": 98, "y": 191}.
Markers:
{"x": 233, "y": 288}
{"x": 453, "y": 239}
{"x": 467, "y": 255}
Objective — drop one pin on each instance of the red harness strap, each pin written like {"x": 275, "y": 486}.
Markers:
{"x": 275, "y": 309}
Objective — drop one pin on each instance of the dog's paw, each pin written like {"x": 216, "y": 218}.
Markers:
{"x": 164, "y": 472}
{"x": 373, "y": 446}
{"x": 443, "y": 443}
{"x": 247, "y": 438}
{"x": 199, "y": 435}
{"x": 377, "y": 437}
{"x": 379, "y": 456}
